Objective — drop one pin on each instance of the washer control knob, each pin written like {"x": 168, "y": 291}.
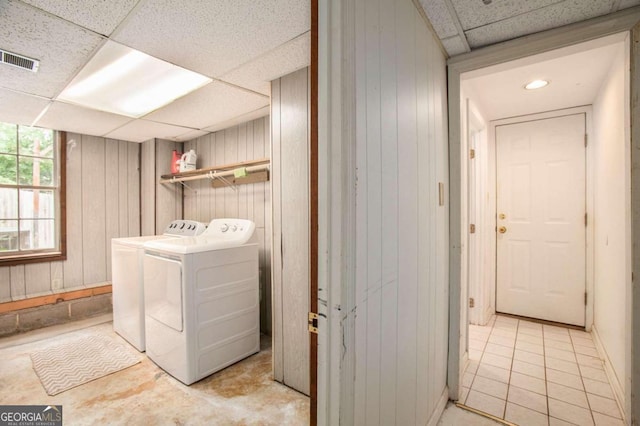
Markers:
{"x": 235, "y": 228}
{"x": 224, "y": 228}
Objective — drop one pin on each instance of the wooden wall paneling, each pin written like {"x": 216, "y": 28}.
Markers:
{"x": 266, "y": 276}
{"x": 259, "y": 208}
{"x": 433, "y": 223}
{"x": 168, "y": 196}
{"x": 407, "y": 216}
{"x": 112, "y": 199}
{"x": 243, "y": 190}
{"x": 211, "y": 161}
{"x": 276, "y": 257}
{"x": 37, "y": 279}
{"x": 426, "y": 203}
{"x": 295, "y": 225}
{"x": 57, "y": 276}
{"x": 199, "y": 187}
{"x": 250, "y": 154}
{"x": 18, "y": 287}
{"x": 442, "y": 227}
{"x": 123, "y": 187}
{"x": 362, "y": 339}
{"x": 231, "y": 156}
{"x": 220, "y": 210}
{"x": 190, "y": 197}
{"x": 371, "y": 165}
{"x": 133, "y": 202}
{"x": 391, "y": 88}
{"x": 93, "y": 210}
{"x": 205, "y": 193}
{"x": 5, "y": 284}
{"x": 148, "y": 187}
{"x": 73, "y": 275}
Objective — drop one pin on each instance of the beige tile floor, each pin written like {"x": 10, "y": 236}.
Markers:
{"x": 242, "y": 394}
{"x": 533, "y": 374}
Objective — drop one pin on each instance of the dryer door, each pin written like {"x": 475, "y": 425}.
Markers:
{"x": 163, "y": 290}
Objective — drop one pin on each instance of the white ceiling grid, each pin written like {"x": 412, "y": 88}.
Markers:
{"x": 245, "y": 43}
{"x": 484, "y": 24}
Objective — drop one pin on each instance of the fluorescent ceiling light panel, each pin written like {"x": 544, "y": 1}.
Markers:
{"x": 125, "y": 81}
{"x": 536, "y": 84}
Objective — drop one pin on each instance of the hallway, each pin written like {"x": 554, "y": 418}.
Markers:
{"x": 532, "y": 374}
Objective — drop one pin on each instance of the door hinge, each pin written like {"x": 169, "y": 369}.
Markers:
{"x": 585, "y": 140}
{"x": 472, "y": 154}
{"x": 313, "y": 323}
{"x": 585, "y": 219}
{"x": 585, "y": 298}
{"x": 472, "y": 228}
{"x": 472, "y": 302}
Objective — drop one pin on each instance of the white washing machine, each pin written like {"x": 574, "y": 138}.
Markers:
{"x": 127, "y": 257}
{"x": 202, "y": 300}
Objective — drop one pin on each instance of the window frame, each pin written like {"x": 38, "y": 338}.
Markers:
{"x": 46, "y": 255}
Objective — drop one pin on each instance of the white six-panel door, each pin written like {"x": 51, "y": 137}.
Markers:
{"x": 541, "y": 230}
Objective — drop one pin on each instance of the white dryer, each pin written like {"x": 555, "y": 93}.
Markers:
{"x": 202, "y": 300}
{"x": 127, "y": 256}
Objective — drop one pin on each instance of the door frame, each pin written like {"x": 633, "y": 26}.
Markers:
{"x": 589, "y": 246}
{"x": 626, "y": 20}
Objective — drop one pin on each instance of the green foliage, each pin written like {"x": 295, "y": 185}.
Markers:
{"x": 31, "y": 141}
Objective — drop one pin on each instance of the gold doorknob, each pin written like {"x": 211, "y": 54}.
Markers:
{"x": 502, "y": 229}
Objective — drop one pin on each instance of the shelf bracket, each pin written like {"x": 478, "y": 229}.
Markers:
{"x": 212, "y": 175}
{"x": 174, "y": 180}
{"x": 226, "y": 182}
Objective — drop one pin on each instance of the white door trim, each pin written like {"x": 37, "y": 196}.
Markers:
{"x": 504, "y": 52}
{"x": 587, "y": 111}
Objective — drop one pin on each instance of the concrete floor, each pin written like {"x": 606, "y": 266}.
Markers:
{"x": 243, "y": 394}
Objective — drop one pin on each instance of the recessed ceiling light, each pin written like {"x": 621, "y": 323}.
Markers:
{"x": 125, "y": 81}
{"x": 536, "y": 84}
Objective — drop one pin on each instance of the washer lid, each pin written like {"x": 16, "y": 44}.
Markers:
{"x": 192, "y": 244}
{"x": 138, "y": 241}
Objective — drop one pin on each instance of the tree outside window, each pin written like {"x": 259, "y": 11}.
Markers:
{"x": 29, "y": 192}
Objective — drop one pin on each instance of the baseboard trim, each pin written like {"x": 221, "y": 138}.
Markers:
{"x": 609, "y": 371}
{"x": 440, "y": 406}
{"x": 51, "y": 299}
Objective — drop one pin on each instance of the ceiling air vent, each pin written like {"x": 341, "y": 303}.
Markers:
{"x": 19, "y": 61}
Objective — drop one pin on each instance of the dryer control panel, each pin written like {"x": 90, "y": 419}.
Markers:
{"x": 240, "y": 230}
{"x": 185, "y": 228}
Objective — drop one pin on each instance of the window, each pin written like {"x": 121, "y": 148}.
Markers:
{"x": 31, "y": 194}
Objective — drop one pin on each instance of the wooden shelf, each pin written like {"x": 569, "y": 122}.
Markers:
{"x": 257, "y": 171}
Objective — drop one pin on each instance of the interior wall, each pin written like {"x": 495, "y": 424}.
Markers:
{"x": 401, "y": 245}
{"x": 103, "y": 202}
{"x": 160, "y": 203}
{"x": 290, "y": 184}
{"x": 202, "y": 202}
{"x": 612, "y": 215}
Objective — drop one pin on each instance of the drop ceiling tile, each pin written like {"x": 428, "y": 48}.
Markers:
{"x": 543, "y": 19}
{"x": 253, "y": 115}
{"x": 19, "y": 108}
{"x": 211, "y": 104}
{"x": 454, "y": 46}
{"x": 61, "y": 47}
{"x": 474, "y": 13}
{"x": 258, "y": 74}
{"x": 213, "y": 37}
{"x": 72, "y": 118}
{"x": 143, "y": 130}
{"x": 97, "y": 15}
{"x": 440, "y": 17}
